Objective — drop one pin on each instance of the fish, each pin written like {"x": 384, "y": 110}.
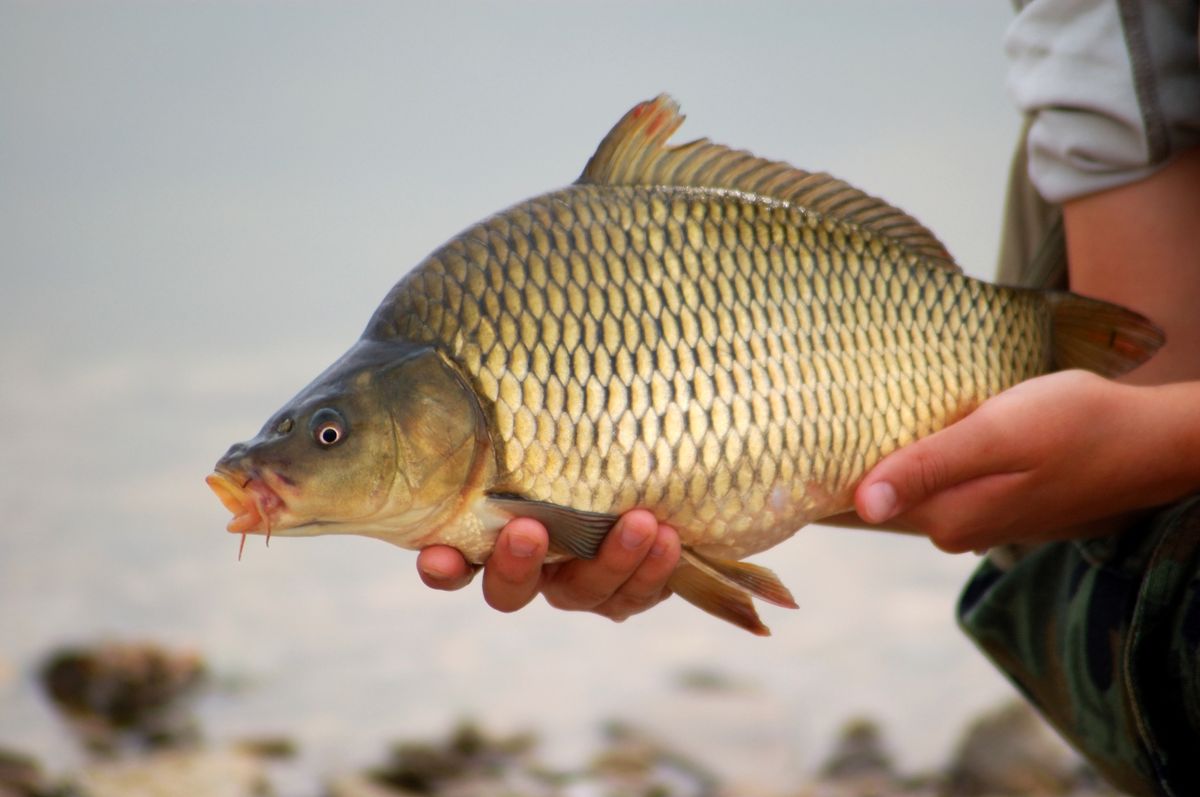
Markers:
{"x": 727, "y": 341}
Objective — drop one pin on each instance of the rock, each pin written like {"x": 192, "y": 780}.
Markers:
{"x": 1011, "y": 751}
{"x": 360, "y": 786}
{"x": 860, "y": 765}
{"x": 635, "y": 763}
{"x": 703, "y": 679}
{"x": 175, "y": 773}
{"x": 859, "y": 752}
{"x": 468, "y": 755}
{"x": 274, "y": 747}
{"x": 21, "y": 776}
{"x": 124, "y": 692}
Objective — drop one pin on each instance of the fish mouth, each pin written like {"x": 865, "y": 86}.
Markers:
{"x": 252, "y": 501}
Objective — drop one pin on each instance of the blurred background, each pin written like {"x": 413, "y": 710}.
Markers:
{"x": 202, "y": 202}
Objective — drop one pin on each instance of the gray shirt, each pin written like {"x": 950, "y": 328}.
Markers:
{"x": 1112, "y": 87}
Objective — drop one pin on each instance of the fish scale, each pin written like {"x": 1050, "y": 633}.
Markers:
{"x": 730, "y": 362}
{"x": 727, "y": 341}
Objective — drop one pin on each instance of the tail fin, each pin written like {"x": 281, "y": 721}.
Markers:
{"x": 1098, "y": 336}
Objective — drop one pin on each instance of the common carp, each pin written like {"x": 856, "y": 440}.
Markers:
{"x": 729, "y": 342}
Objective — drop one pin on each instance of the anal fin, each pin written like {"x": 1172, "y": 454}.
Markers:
{"x": 716, "y": 597}
{"x": 757, "y": 580}
{"x": 723, "y": 588}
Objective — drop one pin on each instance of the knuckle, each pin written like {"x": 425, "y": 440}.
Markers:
{"x": 930, "y": 473}
{"x": 573, "y": 596}
{"x": 623, "y": 607}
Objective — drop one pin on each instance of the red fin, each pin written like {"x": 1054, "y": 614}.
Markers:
{"x": 756, "y": 580}
{"x": 717, "y": 597}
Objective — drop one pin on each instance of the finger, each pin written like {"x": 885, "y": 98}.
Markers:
{"x": 975, "y": 514}
{"x": 443, "y": 567}
{"x": 584, "y": 584}
{"x": 513, "y": 572}
{"x": 648, "y": 584}
{"x": 960, "y": 452}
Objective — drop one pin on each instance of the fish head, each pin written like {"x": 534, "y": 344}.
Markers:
{"x": 384, "y": 443}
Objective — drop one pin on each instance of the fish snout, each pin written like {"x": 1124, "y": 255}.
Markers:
{"x": 235, "y": 458}
{"x": 244, "y": 492}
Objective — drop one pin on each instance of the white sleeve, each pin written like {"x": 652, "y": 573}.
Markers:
{"x": 1113, "y": 88}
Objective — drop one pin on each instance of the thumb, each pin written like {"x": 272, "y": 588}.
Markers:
{"x": 913, "y": 474}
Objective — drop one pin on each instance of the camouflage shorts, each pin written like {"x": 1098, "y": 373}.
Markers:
{"x": 1103, "y": 636}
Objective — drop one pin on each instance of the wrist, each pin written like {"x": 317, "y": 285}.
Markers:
{"x": 1165, "y": 431}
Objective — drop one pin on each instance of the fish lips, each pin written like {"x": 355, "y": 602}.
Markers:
{"x": 253, "y": 502}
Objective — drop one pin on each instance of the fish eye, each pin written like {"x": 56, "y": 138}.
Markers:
{"x": 328, "y": 427}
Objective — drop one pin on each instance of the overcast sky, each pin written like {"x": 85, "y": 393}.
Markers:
{"x": 231, "y": 173}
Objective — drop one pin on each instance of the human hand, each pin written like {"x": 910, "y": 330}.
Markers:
{"x": 628, "y": 575}
{"x": 1043, "y": 460}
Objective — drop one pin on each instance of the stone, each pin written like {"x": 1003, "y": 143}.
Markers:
{"x": 116, "y": 693}
{"x": 1011, "y": 751}
{"x": 175, "y": 773}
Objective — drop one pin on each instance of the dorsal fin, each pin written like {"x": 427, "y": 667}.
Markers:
{"x": 635, "y": 152}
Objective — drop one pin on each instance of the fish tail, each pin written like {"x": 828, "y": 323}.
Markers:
{"x": 1098, "y": 336}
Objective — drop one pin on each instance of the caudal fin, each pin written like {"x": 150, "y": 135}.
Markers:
{"x": 1098, "y": 336}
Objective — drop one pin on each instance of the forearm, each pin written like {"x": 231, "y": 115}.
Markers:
{"x": 1139, "y": 246}
{"x": 1168, "y": 437}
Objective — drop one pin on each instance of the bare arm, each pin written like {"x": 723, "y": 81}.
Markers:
{"x": 1139, "y": 245}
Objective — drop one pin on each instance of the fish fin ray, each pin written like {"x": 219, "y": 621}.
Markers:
{"x": 716, "y": 596}
{"x": 572, "y": 531}
{"x": 755, "y": 579}
{"x": 1098, "y": 336}
{"x": 635, "y": 152}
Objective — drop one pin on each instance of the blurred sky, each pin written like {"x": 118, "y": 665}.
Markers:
{"x": 233, "y": 173}
{"x": 202, "y": 202}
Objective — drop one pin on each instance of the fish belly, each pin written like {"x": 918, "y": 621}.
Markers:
{"x": 730, "y": 362}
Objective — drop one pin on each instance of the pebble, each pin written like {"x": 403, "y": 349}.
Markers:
{"x": 175, "y": 773}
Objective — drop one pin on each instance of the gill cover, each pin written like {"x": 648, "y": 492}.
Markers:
{"x": 443, "y": 452}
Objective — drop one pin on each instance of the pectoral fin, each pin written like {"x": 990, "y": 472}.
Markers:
{"x": 572, "y": 531}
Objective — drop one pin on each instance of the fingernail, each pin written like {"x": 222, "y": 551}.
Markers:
{"x": 632, "y": 538}
{"x": 434, "y": 572}
{"x": 520, "y": 545}
{"x": 879, "y": 501}
{"x": 659, "y": 549}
